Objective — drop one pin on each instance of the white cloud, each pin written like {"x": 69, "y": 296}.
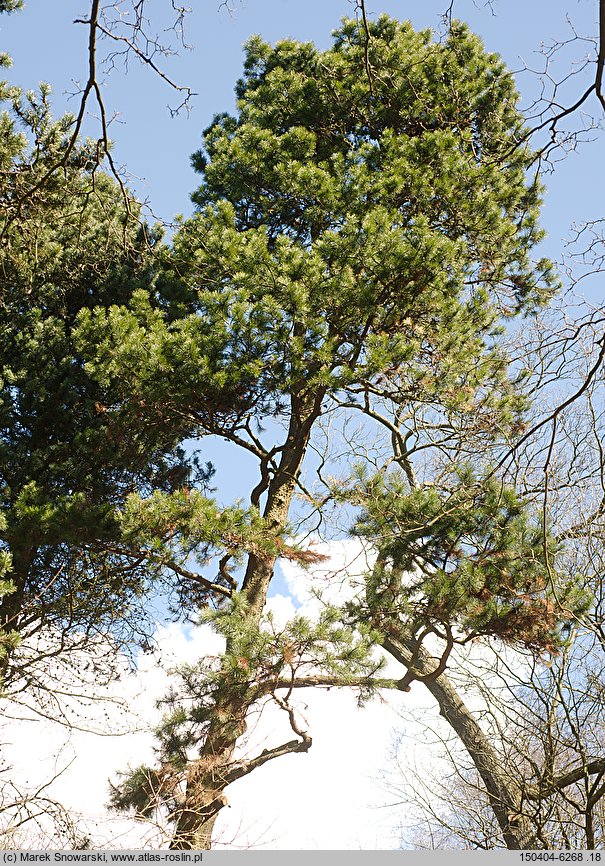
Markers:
{"x": 337, "y": 579}
{"x": 328, "y": 798}
{"x": 281, "y": 608}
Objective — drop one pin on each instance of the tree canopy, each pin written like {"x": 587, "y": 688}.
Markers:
{"x": 72, "y": 239}
{"x": 358, "y": 242}
{"x": 365, "y": 232}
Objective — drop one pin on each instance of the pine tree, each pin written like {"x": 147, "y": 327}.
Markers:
{"x": 364, "y": 222}
{"x": 71, "y": 238}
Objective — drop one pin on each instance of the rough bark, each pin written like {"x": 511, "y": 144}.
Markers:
{"x": 506, "y": 797}
{"x": 209, "y": 775}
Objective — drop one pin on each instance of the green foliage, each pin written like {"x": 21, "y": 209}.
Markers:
{"x": 367, "y": 216}
{"x": 180, "y": 532}
{"x": 8, "y": 638}
{"x": 264, "y": 653}
{"x": 71, "y": 239}
{"x": 469, "y": 554}
{"x": 196, "y": 518}
{"x": 11, "y": 5}
{"x": 344, "y": 231}
{"x": 141, "y": 790}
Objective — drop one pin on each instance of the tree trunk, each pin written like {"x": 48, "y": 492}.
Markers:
{"x": 504, "y": 793}
{"x": 208, "y": 776}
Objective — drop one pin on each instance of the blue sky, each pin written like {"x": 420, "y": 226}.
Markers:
{"x": 155, "y": 148}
